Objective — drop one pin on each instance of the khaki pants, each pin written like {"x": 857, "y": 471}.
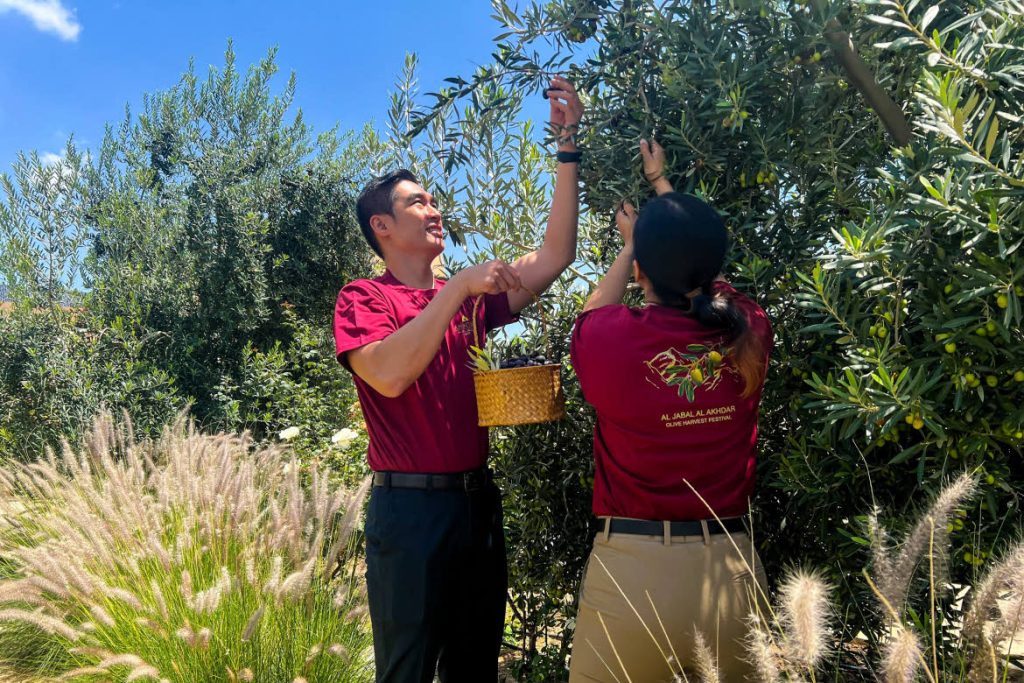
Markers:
{"x": 694, "y": 582}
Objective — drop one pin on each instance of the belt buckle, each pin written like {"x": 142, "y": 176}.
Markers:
{"x": 472, "y": 481}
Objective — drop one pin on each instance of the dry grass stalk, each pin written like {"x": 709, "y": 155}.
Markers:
{"x": 643, "y": 622}
{"x": 615, "y": 651}
{"x": 603, "y": 661}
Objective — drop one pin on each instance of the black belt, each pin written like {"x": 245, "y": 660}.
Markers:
{"x": 644, "y": 527}
{"x": 473, "y": 480}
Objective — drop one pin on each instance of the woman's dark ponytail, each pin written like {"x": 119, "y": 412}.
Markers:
{"x": 718, "y": 311}
{"x": 680, "y": 244}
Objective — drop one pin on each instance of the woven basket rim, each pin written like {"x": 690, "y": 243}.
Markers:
{"x": 531, "y": 367}
{"x": 535, "y": 421}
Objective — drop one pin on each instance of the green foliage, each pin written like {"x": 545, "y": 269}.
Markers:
{"x": 59, "y": 369}
{"x": 202, "y": 247}
{"x": 42, "y": 232}
{"x": 912, "y": 326}
{"x": 892, "y": 275}
{"x": 301, "y": 386}
{"x": 210, "y": 236}
{"x": 213, "y": 208}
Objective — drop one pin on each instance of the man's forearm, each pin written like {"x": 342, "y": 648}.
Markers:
{"x": 393, "y": 364}
{"x": 560, "y": 237}
{"x": 612, "y": 286}
{"x": 540, "y": 268}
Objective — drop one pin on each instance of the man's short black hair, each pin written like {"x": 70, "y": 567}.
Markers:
{"x": 376, "y": 198}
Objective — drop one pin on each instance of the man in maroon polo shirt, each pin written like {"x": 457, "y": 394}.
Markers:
{"x": 435, "y": 550}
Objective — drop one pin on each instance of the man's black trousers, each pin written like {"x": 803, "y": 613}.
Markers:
{"x": 436, "y": 581}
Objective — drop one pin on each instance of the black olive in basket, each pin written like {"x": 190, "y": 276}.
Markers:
{"x": 524, "y": 362}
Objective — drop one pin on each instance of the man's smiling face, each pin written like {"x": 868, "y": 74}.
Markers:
{"x": 415, "y": 224}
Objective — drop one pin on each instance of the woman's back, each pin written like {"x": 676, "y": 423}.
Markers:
{"x": 669, "y": 407}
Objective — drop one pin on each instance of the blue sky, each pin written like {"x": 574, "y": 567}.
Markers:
{"x": 71, "y": 68}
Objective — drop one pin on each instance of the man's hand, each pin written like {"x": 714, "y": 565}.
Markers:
{"x": 566, "y": 112}
{"x": 393, "y": 364}
{"x": 625, "y": 219}
{"x": 493, "y": 277}
{"x": 653, "y": 156}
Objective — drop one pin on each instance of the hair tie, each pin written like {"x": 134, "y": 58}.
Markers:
{"x": 701, "y": 305}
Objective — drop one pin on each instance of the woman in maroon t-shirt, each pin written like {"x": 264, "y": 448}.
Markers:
{"x": 676, "y": 385}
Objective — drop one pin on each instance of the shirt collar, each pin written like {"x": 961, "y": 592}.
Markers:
{"x": 389, "y": 279}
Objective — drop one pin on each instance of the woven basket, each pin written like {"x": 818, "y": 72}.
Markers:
{"x": 517, "y": 396}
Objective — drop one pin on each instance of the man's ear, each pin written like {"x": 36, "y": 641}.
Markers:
{"x": 379, "y": 225}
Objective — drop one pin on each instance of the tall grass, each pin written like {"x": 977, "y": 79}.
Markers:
{"x": 919, "y": 638}
{"x": 188, "y": 558}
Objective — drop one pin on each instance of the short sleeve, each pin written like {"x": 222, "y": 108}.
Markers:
{"x": 590, "y": 340}
{"x": 362, "y": 315}
{"x": 497, "y": 312}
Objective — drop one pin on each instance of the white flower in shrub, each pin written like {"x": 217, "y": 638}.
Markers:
{"x": 344, "y": 437}
{"x": 289, "y": 433}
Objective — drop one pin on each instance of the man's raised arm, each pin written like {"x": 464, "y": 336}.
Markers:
{"x": 540, "y": 268}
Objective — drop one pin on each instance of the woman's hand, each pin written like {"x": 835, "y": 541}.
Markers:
{"x": 654, "y": 160}
{"x": 612, "y": 286}
{"x": 653, "y": 156}
{"x": 625, "y": 219}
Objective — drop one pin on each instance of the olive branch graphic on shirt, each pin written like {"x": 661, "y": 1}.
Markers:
{"x": 698, "y": 366}
{"x": 464, "y": 326}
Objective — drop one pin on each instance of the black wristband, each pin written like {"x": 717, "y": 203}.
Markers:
{"x": 569, "y": 157}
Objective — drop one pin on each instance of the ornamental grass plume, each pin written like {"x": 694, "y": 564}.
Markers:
{"x": 804, "y": 613}
{"x": 186, "y": 558}
{"x": 795, "y": 641}
{"x": 707, "y": 667}
{"x": 792, "y": 640}
{"x": 996, "y": 614}
{"x": 893, "y": 574}
{"x": 901, "y": 656}
{"x": 764, "y": 653}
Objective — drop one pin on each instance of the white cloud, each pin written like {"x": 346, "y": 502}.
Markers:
{"x": 46, "y": 15}
{"x": 49, "y": 158}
